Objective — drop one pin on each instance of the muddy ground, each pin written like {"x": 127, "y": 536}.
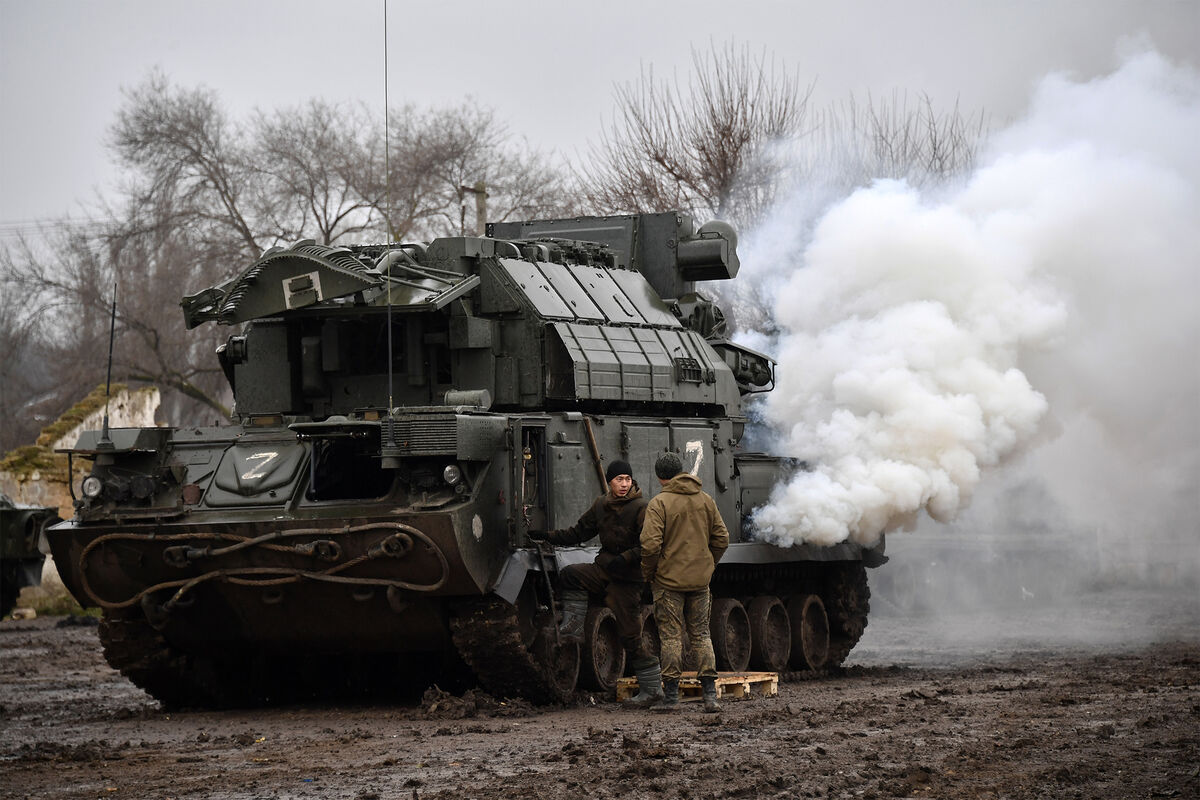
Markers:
{"x": 1099, "y": 699}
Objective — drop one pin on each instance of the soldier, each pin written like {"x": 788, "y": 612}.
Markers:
{"x": 616, "y": 517}
{"x": 683, "y": 538}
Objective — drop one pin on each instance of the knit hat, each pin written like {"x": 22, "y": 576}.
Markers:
{"x": 668, "y": 466}
{"x": 616, "y": 468}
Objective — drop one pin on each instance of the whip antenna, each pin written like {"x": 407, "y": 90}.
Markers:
{"x": 105, "y": 441}
{"x": 389, "y": 449}
{"x": 387, "y": 204}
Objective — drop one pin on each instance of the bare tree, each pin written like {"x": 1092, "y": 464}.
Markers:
{"x": 526, "y": 184}
{"x": 202, "y": 196}
{"x": 412, "y": 195}
{"x": 205, "y": 193}
{"x": 437, "y": 154}
{"x": 156, "y": 348}
{"x": 854, "y": 143}
{"x": 317, "y": 171}
{"x": 71, "y": 291}
{"x": 707, "y": 148}
{"x": 741, "y": 131}
{"x": 25, "y": 371}
{"x": 310, "y": 166}
{"x": 848, "y": 146}
{"x": 185, "y": 156}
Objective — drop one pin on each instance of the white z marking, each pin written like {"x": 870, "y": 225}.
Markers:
{"x": 696, "y": 447}
{"x": 265, "y": 457}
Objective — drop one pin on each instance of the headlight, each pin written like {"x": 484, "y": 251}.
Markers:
{"x": 92, "y": 486}
{"x": 452, "y": 474}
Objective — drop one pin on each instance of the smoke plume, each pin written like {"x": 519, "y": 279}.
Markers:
{"x": 1049, "y": 298}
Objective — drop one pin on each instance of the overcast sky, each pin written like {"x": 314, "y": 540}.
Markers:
{"x": 547, "y": 67}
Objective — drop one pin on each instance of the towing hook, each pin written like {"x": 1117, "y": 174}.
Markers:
{"x": 156, "y": 613}
{"x": 182, "y": 555}
{"x": 394, "y": 546}
{"x": 323, "y": 549}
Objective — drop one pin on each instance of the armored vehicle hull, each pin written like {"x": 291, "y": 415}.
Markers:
{"x": 404, "y": 415}
{"x": 21, "y": 557}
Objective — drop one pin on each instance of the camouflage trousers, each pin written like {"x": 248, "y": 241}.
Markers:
{"x": 676, "y": 612}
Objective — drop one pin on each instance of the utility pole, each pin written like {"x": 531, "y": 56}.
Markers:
{"x": 480, "y": 192}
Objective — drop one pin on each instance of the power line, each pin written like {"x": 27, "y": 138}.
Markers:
{"x": 13, "y": 229}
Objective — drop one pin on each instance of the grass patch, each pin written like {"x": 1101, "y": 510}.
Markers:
{"x": 52, "y": 599}
{"x": 24, "y": 462}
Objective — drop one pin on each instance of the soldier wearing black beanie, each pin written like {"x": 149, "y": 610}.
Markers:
{"x": 616, "y": 468}
{"x": 615, "y": 518}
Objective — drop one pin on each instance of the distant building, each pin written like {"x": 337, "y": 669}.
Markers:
{"x": 35, "y": 475}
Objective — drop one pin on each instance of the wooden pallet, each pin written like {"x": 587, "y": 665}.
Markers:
{"x": 730, "y": 685}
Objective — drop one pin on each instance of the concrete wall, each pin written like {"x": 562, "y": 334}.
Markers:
{"x": 126, "y": 409}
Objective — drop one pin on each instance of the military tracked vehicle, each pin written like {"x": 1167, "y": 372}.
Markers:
{"x": 21, "y": 542}
{"x": 404, "y": 413}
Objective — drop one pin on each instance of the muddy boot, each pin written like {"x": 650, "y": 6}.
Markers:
{"x": 670, "y": 701}
{"x": 711, "y": 706}
{"x": 649, "y": 678}
{"x": 574, "y": 605}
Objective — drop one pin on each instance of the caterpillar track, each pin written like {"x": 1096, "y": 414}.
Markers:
{"x": 133, "y": 647}
{"x": 514, "y": 655}
{"x": 246, "y": 678}
{"x": 848, "y": 601}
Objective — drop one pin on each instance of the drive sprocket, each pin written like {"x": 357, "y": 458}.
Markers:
{"x": 848, "y": 602}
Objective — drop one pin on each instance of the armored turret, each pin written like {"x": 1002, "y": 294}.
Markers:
{"x": 532, "y": 320}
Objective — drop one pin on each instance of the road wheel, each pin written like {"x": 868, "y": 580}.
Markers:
{"x": 603, "y": 656}
{"x": 770, "y": 633}
{"x": 810, "y": 632}
{"x": 730, "y": 628}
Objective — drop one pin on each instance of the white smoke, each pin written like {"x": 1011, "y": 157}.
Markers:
{"x": 926, "y": 337}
